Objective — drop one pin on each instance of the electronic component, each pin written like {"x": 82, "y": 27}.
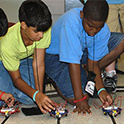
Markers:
{"x": 113, "y": 110}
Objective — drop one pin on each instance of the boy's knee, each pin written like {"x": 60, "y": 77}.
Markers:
{"x": 23, "y": 98}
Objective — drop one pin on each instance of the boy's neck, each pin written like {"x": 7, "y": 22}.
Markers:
{"x": 25, "y": 39}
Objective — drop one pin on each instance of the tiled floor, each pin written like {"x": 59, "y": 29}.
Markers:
{"x": 97, "y": 116}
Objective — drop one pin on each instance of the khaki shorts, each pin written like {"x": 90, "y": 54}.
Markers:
{"x": 116, "y": 13}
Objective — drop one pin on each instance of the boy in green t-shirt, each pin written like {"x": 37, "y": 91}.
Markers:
{"x": 20, "y": 75}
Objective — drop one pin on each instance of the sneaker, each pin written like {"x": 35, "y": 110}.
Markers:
{"x": 110, "y": 84}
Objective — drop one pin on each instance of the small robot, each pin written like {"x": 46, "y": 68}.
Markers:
{"x": 59, "y": 112}
{"x": 5, "y": 109}
{"x": 112, "y": 110}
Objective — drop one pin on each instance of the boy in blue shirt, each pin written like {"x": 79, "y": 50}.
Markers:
{"x": 75, "y": 35}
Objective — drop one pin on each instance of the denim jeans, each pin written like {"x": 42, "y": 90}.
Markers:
{"x": 6, "y": 83}
{"x": 115, "y": 40}
{"x": 59, "y": 71}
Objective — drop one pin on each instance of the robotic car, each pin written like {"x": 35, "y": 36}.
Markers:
{"x": 5, "y": 109}
{"x": 59, "y": 112}
{"x": 113, "y": 110}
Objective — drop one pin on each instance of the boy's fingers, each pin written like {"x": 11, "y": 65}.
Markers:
{"x": 49, "y": 106}
{"x": 84, "y": 112}
{"x": 89, "y": 111}
{"x": 102, "y": 100}
{"x": 109, "y": 99}
{"x": 42, "y": 109}
{"x": 75, "y": 110}
{"x": 51, "y": 102}
{"x": 79, "y": 111}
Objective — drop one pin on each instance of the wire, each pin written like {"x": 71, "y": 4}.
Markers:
{"x": 119, "y": 100}
{"x": 58, "y": 120}
{"x": 93, "y": 51}
{"x": 28, "y": 67}
{"x": 116, "y": 101}
{"x": 112, "y": 118}
{"x": 37, "y": 69}
{"x": 6, "y": 118}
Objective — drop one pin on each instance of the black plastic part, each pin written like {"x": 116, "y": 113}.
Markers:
{"x": 31, "y": 111}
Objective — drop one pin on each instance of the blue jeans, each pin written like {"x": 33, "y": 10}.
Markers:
{"x": 6, "y": 83}
{"x": 59, "y": 71}
{"x": 115, "y": 40}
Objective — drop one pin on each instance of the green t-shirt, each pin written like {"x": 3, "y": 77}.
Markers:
{"x": 12, "y": 48}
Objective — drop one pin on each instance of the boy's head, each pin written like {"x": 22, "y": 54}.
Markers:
{"x": 36, "y": 14}
{"x": 94, "y": 11}
{"x": 3, "y": 23}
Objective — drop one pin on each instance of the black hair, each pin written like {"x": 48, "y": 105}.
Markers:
{"x": 82, "y": 1}
{"x": 35, "y": 13}
{"x": 3, "y": 23}
{"x": 96, "y": 10}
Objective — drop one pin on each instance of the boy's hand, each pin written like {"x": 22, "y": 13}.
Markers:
{"x": 7, "y": 96}
{"x": 105, "y": 98}
{"x": 44, "y": 102}
{"x": 82, "y": 106}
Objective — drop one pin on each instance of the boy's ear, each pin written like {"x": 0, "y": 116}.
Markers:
{"x": 23, "y": 25}
{"x": 81, "y": 14}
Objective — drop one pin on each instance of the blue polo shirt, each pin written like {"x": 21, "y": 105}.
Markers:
{"x": 115, "y": 1}
{"x": 69, "y": 39}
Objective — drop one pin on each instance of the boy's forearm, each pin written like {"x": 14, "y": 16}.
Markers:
{"x": 20, "y": 83}
{"x": 94, "y": 66}
{"x": 98, "y": 79}
{"x": 109, "y": 58}
{"x": 75, "y": 74}
{"x": 24, "y": 87}
{"x": 39, "y": 78}
{"x": 39, "y": 68}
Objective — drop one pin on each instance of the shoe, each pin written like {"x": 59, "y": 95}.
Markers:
{"x": 110, "y": 84}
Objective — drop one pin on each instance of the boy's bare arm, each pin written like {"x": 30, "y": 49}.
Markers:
{"x": 39, "y": 68}
{"x": 20, "y": 83}
{"x": 104, "y": 96}
{"x": 94, "y": 66}
{"x": 44, "y": 103}
{"x": 109, "y": 58}
{"x": 75, "y": 74}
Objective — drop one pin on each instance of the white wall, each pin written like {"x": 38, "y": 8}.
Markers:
{"x": 69, "y": 4}
{"x": 56, "y": 7}
{"x": 11, "y": 8}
